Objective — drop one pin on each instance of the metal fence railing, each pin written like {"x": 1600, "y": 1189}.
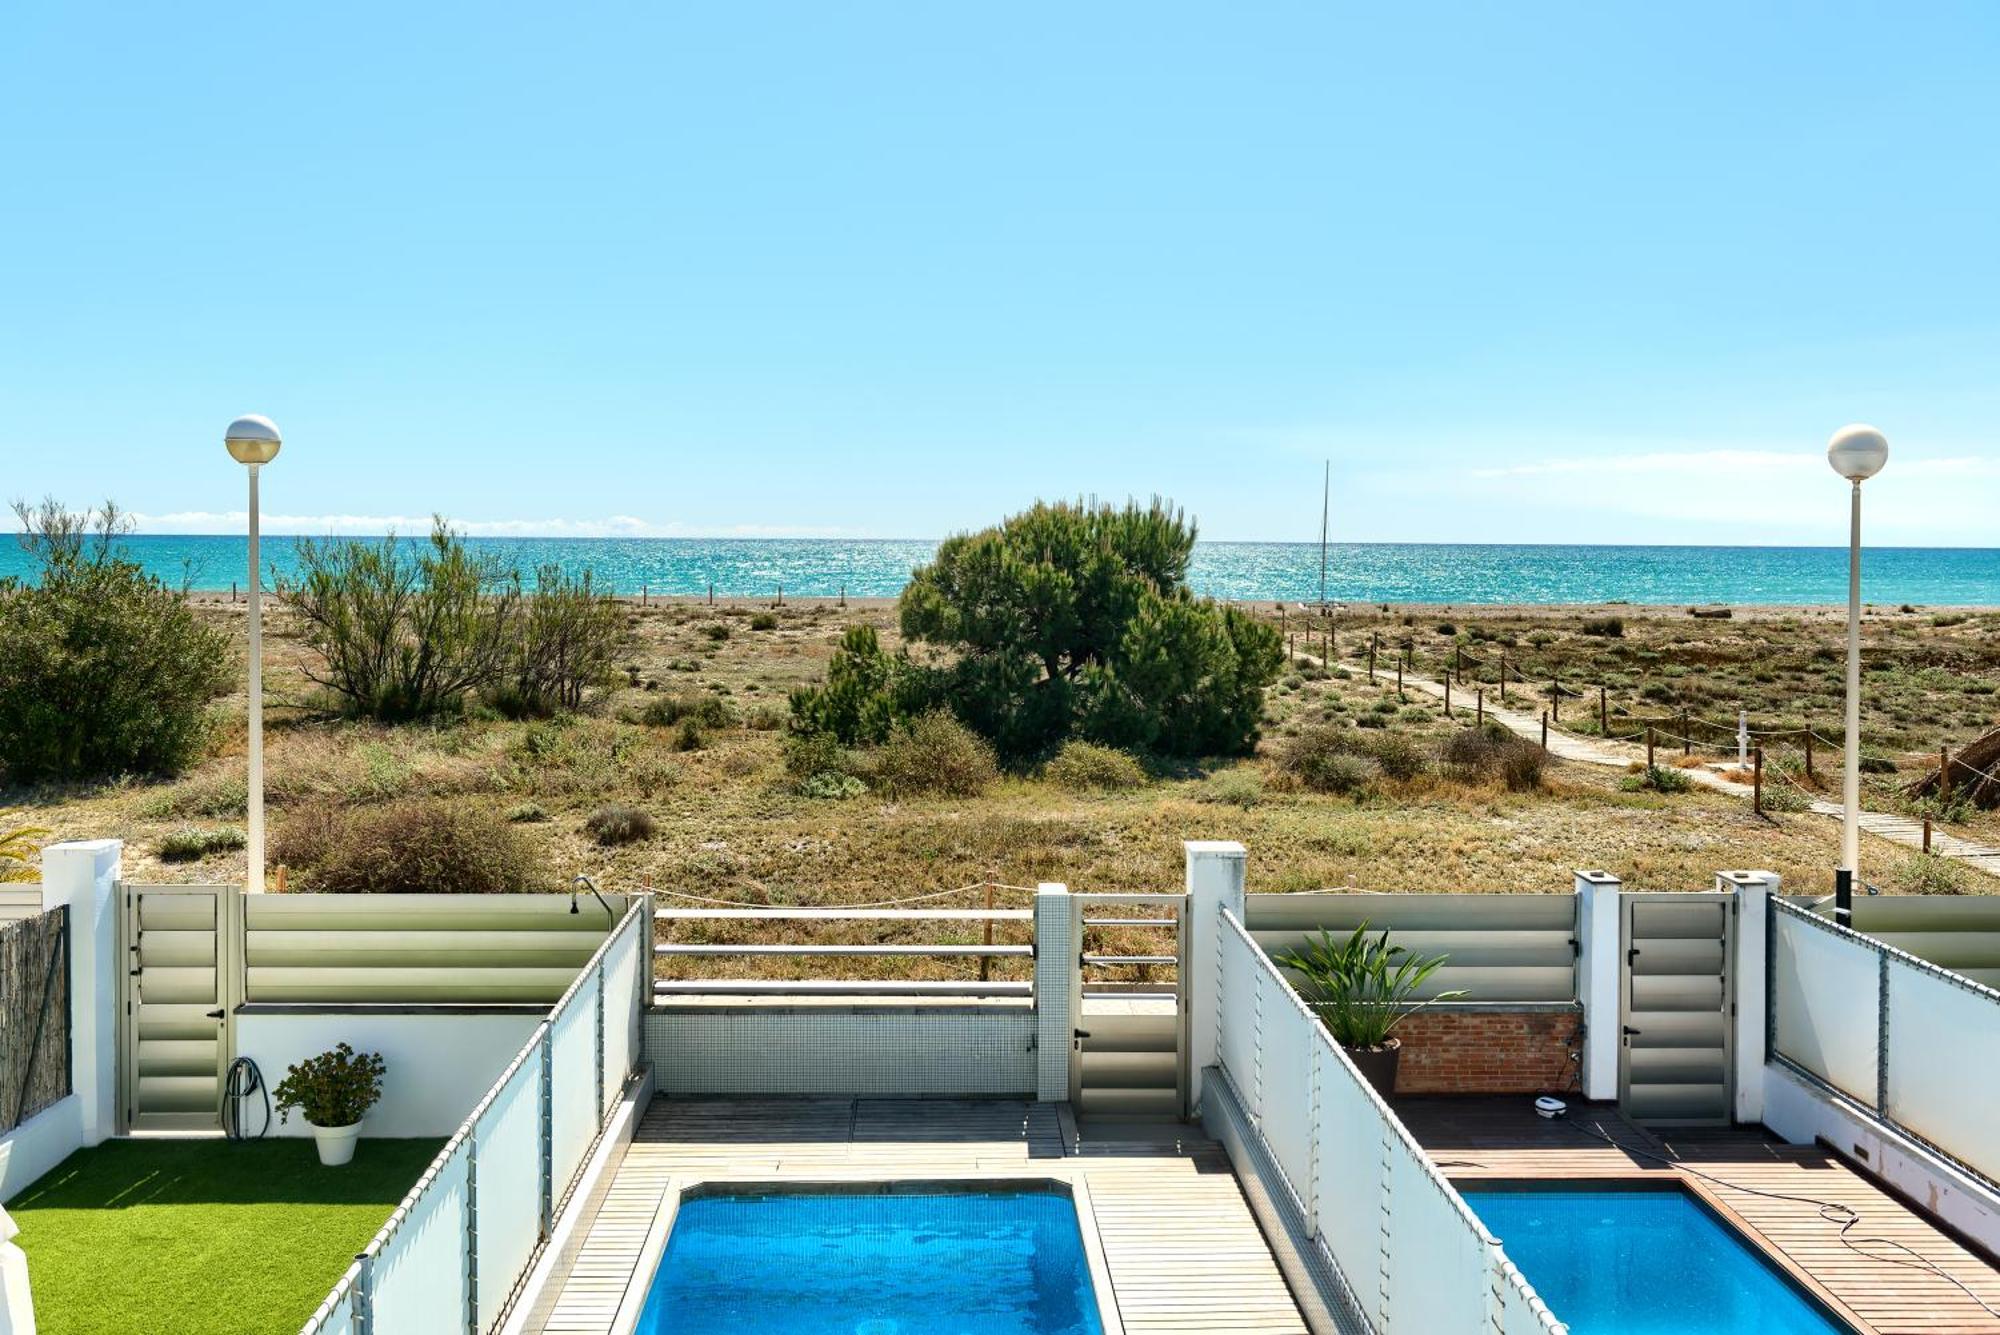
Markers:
{"x": 1912, "y": 1044}
{"x": 34, "y": 1015}
{"x": 1409, "y": 1253}
{"x": 455, "y": 1250}
{"x": 972, "y": 956}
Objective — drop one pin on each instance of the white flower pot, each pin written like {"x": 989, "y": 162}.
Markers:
{"x": 335, "y": 1143}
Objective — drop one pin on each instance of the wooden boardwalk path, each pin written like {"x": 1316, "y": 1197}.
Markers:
{"x": 1899, "y": 830}
{"x": 1184, "y": 1253}
{"x": 1868, "y": 1274}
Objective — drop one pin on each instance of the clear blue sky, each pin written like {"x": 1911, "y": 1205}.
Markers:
{"x": 1555, "y": 272}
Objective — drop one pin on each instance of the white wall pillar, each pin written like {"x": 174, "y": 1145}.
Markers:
{"x": 83, "y": 876}
{"x": 1057, "y": 987}
{"x": 17, "y": 1306}
{"x": 1215, "y": 876}
{"x": 1753, "y": 891}
{"x": 1597, "y": 975}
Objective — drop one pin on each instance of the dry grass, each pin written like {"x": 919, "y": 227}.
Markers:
{"x": 732, "y": 825}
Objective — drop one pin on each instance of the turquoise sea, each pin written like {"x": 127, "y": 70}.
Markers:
{"x": 1288, "y": 571}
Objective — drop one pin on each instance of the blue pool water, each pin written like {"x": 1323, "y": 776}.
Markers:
{"x": 1643, "y": 1263}
{"x": 944, "y": 1263}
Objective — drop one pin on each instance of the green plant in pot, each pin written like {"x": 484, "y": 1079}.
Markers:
{"x": 334, "y": 1091}
{"x": 1361, "y": 988}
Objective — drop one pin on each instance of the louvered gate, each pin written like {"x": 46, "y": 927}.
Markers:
{"x": 1674, "y": 1058}
{"x": 182, "y": 985}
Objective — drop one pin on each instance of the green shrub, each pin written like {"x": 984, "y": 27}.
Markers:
{"x": 1234, "y": 787}
{"x": 935, "y": 753}
{"x": 710, "y": 711}
{"x": 1325, "y": 759}
{"x": 419, "y": 845}
{"x": 863, "y": 694}
{"x": 1783, "y": 796}
{"x": 1400, "y": 755}
{"x": 764, "y": 621}
{"x": 616, "y": 823}
{"x": 104, "y": 670}
{"x": 1877, "y": 764}
{"x": 811, "y": 753}
{"x": 1077, "y": 621}
{"x": 690, "y": 736}
{"x": 831, "y": 786}
{"x": 716, "y": 631}
{"x": 1494, "y": 752}
{"x": 526, "y": 813}
{"x": 1932, "y": 874}
{"x": 1085, "y": 765}
{"x": 399, "y": 634}
{"x": 565, "y": 639}
{"x": 1610, "y": 628}
{"x": 1656, "y": 779}
{"x": 190, "y": 844}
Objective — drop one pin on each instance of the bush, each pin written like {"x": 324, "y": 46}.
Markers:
{"x": 764, "y": 621}
{"x": 716, "y": 631}
{"x": 690, "y": 736}
{"x": 810, "y": 753}
{"x": 1086, "y": 765}
{"x": 710, "y": 711}
{"x": 615, "y": 823}
{"x": 1931, "y": 874}
{"x": 104, "y": 670}
{"x": 1325, "y": 759}
{"x": 1494, "y": 752}
{"x": 828, "y": 785}
{"x": 1610, "y": 628}
{"x": 192, "y": 845}
{"x": 1400, "y": 755}
{"x": 420, "y": 845}
{"x": 863, "y": 695}
{"x": 526, "y": 813}
{"x": 1657, "y": 779}
{"x": 1077, "y": 621}
{"x": 1234, "y": 787}
{"x": 566, "y": 638}
{"x": 935, "y": 753}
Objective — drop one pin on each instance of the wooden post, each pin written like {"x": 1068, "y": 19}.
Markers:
{"x": 843, "y": 595}
{"x": 781, "y": 595}
{"x": 1545, "y": 730}
{"x": 1399, "y": 679}
{"x": 643, "y": 590}
{"x": 1372, "y": 639}
{"x": 1944, "y": 774}
{"x": 1649, "y": 746}
{"x": 1757, "y": 781}
{"x": 1503, "y": 678}
{"x": 1479, "y": 707}
{"x": 1809, "y": 768}
{"x": 1603, "y": 716}
{"x": 1556, "y": 698}
{"x": 1927, "y": 836}
{"x": 1447, "y": 695}
{"x": 711, "y": 593}
{"x": 986, "y": 961}
{"x": 1458, "y": 660}
{"x": 232, "y": 590}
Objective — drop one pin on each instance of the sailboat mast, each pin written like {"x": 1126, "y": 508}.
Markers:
{"x": 1325, "y": 500}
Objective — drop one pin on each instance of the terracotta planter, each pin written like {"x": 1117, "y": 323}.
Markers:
{"x": 335, "y": 1143}
{"x": 1378, "y": 1065}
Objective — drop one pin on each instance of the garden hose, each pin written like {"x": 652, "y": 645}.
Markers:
{"x": 241, "y": 1082}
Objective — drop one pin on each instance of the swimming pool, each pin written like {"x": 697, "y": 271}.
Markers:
{"x": 929, "y": 1260}
{"x": 1643, "y": 1262}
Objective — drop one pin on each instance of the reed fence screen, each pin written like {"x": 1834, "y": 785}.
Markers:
{"x": 34, "y": 1015}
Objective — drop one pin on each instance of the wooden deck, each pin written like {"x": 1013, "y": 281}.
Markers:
{"x": 1184, "y": 1254}
{"x": 1877, "y": 1284}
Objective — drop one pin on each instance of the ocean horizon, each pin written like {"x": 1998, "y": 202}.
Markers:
{"x": 1388, "y": 572}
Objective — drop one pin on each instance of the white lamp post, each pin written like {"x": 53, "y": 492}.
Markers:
{"x": 254, "y": 441}
{"x": 1857, "y": 453}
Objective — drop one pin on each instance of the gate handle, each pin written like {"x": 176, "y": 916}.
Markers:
{"x": 217, "y": 1015}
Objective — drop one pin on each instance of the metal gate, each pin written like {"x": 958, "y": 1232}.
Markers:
{"x": 182, "y": 983}
{"x": 1674, "y": 1009}
{"x": 1129, "y": 1056}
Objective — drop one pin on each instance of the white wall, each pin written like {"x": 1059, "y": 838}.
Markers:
{"x": 81, "y": 876}
{"x": 1802, "y": 1114}
{"x": 439, "y": 1063}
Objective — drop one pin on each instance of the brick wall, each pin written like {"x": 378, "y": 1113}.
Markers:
{"x": 1486, "y": 1052}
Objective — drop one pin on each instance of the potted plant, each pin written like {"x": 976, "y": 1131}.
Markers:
{"x": 334, "y": 1091}
{"x": 1361, "y": 989}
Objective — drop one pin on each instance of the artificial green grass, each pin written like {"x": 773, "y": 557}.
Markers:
{"x": 168, "y": 1236}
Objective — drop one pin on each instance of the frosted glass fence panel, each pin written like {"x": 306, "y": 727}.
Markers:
{"x": 507, "y": 1169}
{"x": 1824, "y": 986}
{"x": 419, "y": 1277}
{"x": 1944, "y": 1064}
{"x": 1286, "y": 1074}
{"x": 1349, "y": 1213}
{"x": 336, "y": 1315}
{"x": 1521, "y": 1312}
{"x": 1438, "y": 1259}
{"x": 623, "y": 981}
{"x": 1239, "y": 1017}
{"x": 573, "y": 1073}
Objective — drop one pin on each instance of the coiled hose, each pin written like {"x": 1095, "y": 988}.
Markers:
{"x": 242, "y": 1081}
